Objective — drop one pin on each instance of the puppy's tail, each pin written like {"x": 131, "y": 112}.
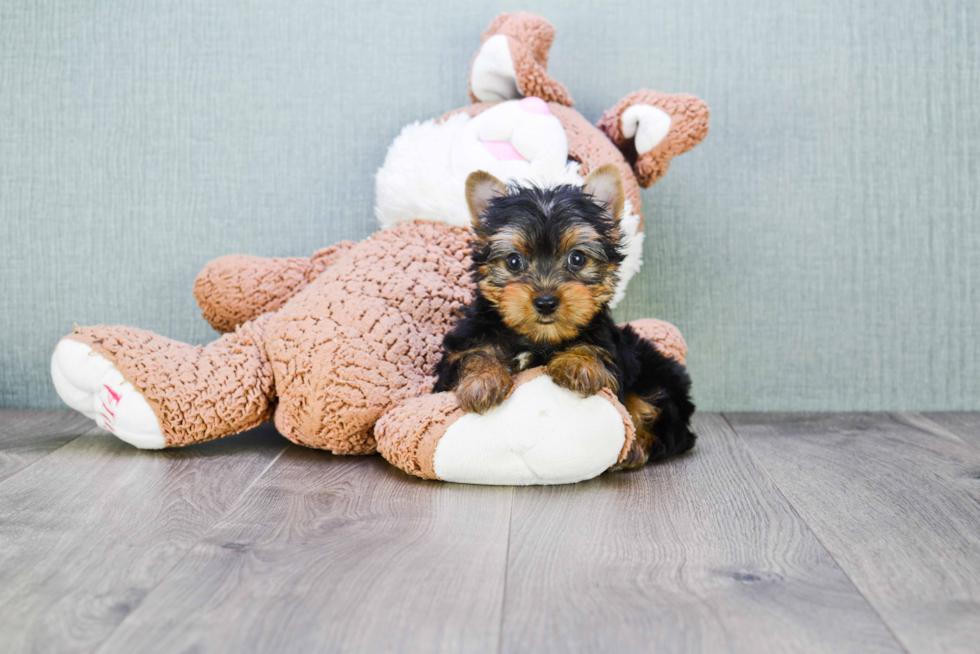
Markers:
{"x": 671, "y": 430}
{"x": 660, "y": 403}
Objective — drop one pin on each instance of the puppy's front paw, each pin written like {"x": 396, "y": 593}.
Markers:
{"x": 581, "y": 370}
{"x": 480, "y": 392}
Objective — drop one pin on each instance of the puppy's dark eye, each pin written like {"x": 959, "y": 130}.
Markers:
{"x": 514, "y": 262}
{"x": 576, "y": 259}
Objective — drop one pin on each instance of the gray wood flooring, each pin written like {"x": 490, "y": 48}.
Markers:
{"x": 778, "y": 533}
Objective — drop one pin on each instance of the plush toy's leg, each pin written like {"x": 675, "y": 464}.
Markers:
{"x": 154, "y": 392}
{"x": 234, "y": 289}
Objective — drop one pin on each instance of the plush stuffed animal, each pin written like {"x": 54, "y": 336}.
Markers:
{"x": 339, "y": 348}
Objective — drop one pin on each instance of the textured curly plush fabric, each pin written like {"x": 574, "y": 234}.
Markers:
{"x": 689, "y": 125}
{"x": 327, "y": 345}
{"x": 409, "y": 433}
{"x": 664, "y": 336}
{"x": 234, "y": 289}
{"x": 362, "y": 335}
{"x": 197, "y": 393}
{"x": 529, "y": 37}
{"x": 593, "y": 149}
{"x": 366, "y": 334}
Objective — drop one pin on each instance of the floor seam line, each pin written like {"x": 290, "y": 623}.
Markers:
{"x": 503, "y": 597}
{"x": 813, "y": 531}
{"x": 91, "y": 431}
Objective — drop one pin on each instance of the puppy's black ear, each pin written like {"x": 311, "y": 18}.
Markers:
{"x": 605, "y": 186}
{"x": 481, "y": 187}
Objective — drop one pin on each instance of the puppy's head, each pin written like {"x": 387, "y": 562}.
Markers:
{"x": 547, "y": 259}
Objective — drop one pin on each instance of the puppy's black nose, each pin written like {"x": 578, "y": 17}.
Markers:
{"x": 546, "y": 304}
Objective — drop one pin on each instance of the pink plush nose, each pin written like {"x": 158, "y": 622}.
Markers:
{"x": 535, "y": 106}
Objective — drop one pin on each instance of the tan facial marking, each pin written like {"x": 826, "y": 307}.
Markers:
{"x": 508, "y": 240}
{"x": 576, "y": 307}
{"x": 580, "y": 236}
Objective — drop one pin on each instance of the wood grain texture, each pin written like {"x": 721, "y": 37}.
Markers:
{"x": 28, "y": 435}
{"x": 698, "y": 554}
{"x": 896, "y": 501}
{"x": 328, "y": 553}
{"x": 88, "y": 531}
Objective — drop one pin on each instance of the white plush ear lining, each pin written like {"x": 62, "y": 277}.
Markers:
{"x": 481, "y": 187}
{"x": 494, "y": 78}
{"x": 646, "y": 125}
{"x": 605, "y": 185}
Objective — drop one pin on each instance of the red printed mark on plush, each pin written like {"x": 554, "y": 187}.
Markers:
{"x": 115, "y": 396}
{"x": 108, "y": 417}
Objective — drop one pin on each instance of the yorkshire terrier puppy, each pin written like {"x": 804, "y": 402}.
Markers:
{"x": 545, "y": 264}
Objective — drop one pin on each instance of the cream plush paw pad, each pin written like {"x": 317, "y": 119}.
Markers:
{"x": 541, "y": 434}
{"x": 90, "y": 384}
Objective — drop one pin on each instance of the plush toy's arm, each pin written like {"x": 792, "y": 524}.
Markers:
{"x": 651, "y": 128}
{"x": 512, "y": 61}
{"x": 234, "y": 289}
{"x": 541, "y": 434}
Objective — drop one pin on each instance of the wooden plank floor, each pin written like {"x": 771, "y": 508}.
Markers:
{"x": 778, "y": 533}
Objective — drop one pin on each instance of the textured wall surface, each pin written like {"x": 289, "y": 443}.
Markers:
{"x": 820, "y": 250}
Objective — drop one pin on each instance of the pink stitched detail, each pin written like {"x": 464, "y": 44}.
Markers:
{"x": 115, "y": 396}
{"x": 108, "y": 423}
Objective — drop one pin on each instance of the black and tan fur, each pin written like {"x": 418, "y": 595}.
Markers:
{"x": 545, "y": 262}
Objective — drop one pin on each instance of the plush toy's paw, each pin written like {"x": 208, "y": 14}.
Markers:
{"x": 580, "y": 369}
{"x": 541, "y": 434}
{"x": 90, "y": 384}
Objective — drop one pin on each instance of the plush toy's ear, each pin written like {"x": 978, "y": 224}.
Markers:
{"x": 481, "y": 187}
{"x": 651, "y": 128}
{"x": 605, "y": 185}
{"x": 513, "y": 61}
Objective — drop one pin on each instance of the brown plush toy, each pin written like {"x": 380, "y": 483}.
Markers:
{"x": 330, "y": 345}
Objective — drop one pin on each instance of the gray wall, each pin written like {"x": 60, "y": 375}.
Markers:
{"x": 820, "y": 250}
